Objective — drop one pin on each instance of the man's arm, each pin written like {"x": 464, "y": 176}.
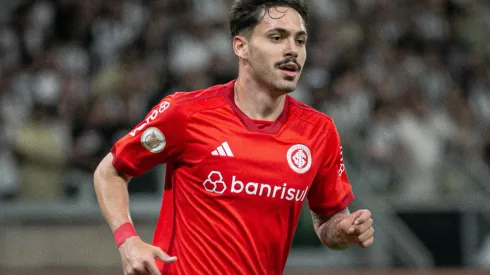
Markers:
{"x": 343, "y": 229}
{"x": 111, "y": 189}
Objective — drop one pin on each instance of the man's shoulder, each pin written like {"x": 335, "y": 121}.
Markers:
{"x": 308, "y": 114}
{"x": 201, "y": 94}
{"x": 203, "y": 99}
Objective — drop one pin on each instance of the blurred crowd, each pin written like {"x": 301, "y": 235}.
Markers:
{"x": 407, "y": 82}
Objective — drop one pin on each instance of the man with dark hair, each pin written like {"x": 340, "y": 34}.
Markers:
{"x": 242, "y": 158}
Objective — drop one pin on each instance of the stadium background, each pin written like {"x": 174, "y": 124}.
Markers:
{"x": 407, "y": 82}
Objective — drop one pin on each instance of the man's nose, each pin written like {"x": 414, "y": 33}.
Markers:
{"x": 291, "y": 48}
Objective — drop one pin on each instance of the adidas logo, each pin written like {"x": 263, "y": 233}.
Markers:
{"x": 223, "y": 150}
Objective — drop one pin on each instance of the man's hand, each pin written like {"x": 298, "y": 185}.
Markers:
{"x": 138, "y": 257}
{"x": 357, "y": 228}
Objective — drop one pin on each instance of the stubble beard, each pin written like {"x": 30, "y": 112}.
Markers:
{"x": 276, "y": 81}
{"x": 285, "y": 84}
{"x": 274, "y": 78}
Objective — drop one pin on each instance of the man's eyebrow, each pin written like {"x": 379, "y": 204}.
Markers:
{"x": 282, "y": 30}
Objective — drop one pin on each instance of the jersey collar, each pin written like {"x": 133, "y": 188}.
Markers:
{"x": 248, "y": 122}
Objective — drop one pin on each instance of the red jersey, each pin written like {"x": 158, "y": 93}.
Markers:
{"x": 234, "y": 187}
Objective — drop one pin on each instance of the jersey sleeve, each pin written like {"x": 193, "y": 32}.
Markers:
{"x": 331, "y": 191}
{"x": 159, "y": 138}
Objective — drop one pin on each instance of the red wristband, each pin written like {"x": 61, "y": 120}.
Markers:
{"x": 123, "y": 232}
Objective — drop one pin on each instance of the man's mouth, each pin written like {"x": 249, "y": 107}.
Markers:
{"x": 291, "y": 66}
{"x": 290, "y": 69}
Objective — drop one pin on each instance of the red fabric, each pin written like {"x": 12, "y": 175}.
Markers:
{"x": 262, "y": 124}
{"x": 232, "y": 199}
{"x": 124, "y": 232}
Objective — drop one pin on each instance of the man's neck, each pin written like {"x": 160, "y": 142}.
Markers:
{"x": 257, "y": 101}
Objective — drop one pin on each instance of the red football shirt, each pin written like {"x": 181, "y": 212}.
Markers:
{"x": 234, "y": 186}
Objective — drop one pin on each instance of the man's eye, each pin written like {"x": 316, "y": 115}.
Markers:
{"x": 301, "y": 41}
{"x": 275, "y": 38}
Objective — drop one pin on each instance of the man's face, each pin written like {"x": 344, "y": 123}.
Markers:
{"x": 277, "y": 48}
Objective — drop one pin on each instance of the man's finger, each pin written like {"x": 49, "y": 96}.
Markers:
{"x": 137, "y": 268}
{"x": 361, "y": 216}
{"x": 366, "y": 235}
{"x": 346, "y": 225}
{"x": 361, "y": 228}
{"x": 367, "y": 243}
{"x": 164, "y": 256}
{"x": 151, "y": 267}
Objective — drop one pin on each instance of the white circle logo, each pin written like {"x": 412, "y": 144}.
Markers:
{"x": 299, "y": 158}
{"x": 153, "y": 140}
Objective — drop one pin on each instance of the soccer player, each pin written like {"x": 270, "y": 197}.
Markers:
{"x": 241, "y": 159}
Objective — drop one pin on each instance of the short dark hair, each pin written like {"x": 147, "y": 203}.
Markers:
{"x": 246, "y": 14}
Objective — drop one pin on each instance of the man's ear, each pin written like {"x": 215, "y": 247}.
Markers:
{"x": 240, "y": 46}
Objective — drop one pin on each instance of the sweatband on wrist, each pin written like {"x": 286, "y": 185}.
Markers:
{"x": 124, "y": 232}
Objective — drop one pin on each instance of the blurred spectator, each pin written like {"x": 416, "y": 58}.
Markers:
{"x": 9, "y": 179}
{"x": 383, "y": 148}
{"x": 422, "y": 147}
